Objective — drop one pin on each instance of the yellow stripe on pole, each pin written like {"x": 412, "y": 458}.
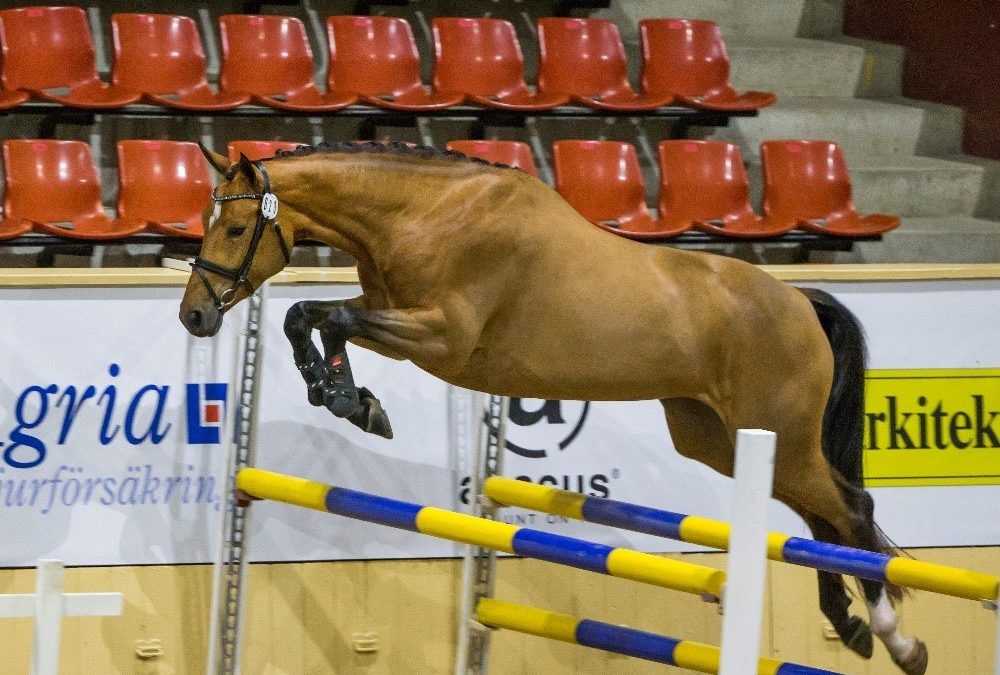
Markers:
{"x": 696, "y": 656}
{"x": 524, "y": 619}
{"x": 535, "y": 497}
{"x": 460, "y": 527}
{"x": 705, "y": 532}
{"x": 941, "y": 579}
{"x": 650, "y": 569}
{"x": 281, "y": 488}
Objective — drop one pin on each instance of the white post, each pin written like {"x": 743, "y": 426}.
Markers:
{"x": 744, "y": 594}
{"x": 996, "y": 658}
{"x": 49, "y": 605}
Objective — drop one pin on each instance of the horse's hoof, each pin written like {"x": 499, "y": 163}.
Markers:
{"x": 858, "y": 637}
{"x": 914, "y": 663}
{"x": 378, "y": 421}
{"x": 315, "y": 393}
{"x": 371, "y": 417}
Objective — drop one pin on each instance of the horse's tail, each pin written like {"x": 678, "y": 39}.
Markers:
{"x": 843, "y": 419}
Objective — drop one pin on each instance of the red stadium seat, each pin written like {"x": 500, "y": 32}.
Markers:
{"x": 586, "y": 59}
{"x": 255, "y": 150}
{"x": 54, "y": 185}
{"x": 376, "y": 56}
{"x": 162, "y": 56}
{"x": 12, "y": 98}
{"x": 48, "y": 51}
{"x": 602, "y": 180}
{"x": 512, "y": 153}
{"x": 269, "y": 57}
{"x": 12, "y": 229}
{"x": 703, "y": 184}
{"x": 687, "y": 60}
{"x": 164, "y": 184}
{"x": 807, "y": 183}
{"x": 482, "y": 59}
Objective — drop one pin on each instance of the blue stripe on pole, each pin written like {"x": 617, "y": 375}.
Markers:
{"x": 632, "y": 517}
{"x": 833, "y": 558}
{"x": 372, "y": 508}
{"x": 628, "y": 641}
{"x": 562, "y": 550}
{"x": 796, "y": 669}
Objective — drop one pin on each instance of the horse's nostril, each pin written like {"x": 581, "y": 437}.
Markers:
{"x": 194, "y": 318}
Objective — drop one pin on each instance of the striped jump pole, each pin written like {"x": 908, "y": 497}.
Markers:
{"x": 618, "y": 639}
{"x": 897, "y": 570}
{"x": 434, "y": 522}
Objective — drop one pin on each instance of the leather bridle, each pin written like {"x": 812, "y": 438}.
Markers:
{"x": 267, "y": 213}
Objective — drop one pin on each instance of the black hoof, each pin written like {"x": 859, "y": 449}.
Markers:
{"x": 371, "y": 416}
{"x": 914, "y": 663}
{"x": 858, "y": 637}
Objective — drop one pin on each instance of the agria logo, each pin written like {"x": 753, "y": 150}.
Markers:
{"x": 105, "y": 412}
{"x": 539, "y": 428}
{"x": 206, "y": 412}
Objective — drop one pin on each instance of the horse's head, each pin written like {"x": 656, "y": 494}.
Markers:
{"x": 243, "y": 246}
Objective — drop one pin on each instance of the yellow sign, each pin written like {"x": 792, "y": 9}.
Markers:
{"x": 932, "y": 427}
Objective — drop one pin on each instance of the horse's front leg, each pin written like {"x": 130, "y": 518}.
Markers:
{"x": 329, "y": 380}
{"x": 341, "y": 395}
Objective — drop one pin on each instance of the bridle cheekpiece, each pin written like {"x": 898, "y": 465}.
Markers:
{"x": 267, "y": 213}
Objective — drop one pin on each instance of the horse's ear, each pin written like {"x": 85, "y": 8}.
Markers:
{"x": 218, "y": 162}
{"x": 246, "y": 168}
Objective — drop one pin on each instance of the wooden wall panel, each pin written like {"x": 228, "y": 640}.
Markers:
{"x": 302, "y": 619}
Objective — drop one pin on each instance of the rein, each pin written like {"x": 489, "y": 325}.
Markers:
{"x": 267, "y": 212}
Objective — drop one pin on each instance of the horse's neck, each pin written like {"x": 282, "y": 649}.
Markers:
{"x": 368, "y": 206}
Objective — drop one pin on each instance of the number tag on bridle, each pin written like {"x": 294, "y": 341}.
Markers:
{"x": 269, "y": 205}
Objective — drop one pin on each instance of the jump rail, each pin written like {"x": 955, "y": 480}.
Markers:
{"x": 434, "y": 522}
{"x": 925, "y": 576}
{"x": 618, "y": 639}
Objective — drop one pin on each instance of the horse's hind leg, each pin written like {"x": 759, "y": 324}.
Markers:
{"x": 839, "y": 513}
{"x": 909, "y": 653}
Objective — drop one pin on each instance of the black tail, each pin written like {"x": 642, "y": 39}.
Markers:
{"x": 843, "y": 420}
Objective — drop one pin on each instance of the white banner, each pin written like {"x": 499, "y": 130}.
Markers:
{"x": 112, "y": 433}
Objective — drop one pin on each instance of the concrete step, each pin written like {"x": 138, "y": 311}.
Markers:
{"x": 862, "y": 127}
{"x": 989, "y": 197}
{"x": 749, "y": 17}
{"x": 882, "y": 72}
{"x": 822, "y": 18}
{"x": 941, "y": 129}
{"x": 947, "y": 239}
{"x": 905, "y": 186}
{"x": 795, "y": 66}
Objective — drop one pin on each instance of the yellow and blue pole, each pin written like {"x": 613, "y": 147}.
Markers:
{"x": 618, "y": 639}
{"x": 434, "y": 522}
{"x": 900, "y": 571}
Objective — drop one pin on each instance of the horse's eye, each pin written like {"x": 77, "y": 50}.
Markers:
{"x": 235, "y": 231}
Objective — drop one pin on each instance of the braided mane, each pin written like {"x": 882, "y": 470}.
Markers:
{"x": 390, "y": 148}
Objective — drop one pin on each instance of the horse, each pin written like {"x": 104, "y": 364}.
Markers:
{"x": 485, "y": 277}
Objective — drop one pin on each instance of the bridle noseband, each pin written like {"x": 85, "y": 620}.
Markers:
{"x": 267, "y": 212}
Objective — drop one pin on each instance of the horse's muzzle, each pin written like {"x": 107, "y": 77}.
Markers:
{"x": 202, "y": 322}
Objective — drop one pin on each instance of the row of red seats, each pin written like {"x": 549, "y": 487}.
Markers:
{"x": 52, "y": 187}
{"x": 703, "y": 186}
{"x": 267, "y": 60}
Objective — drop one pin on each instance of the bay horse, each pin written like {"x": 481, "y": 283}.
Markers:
{"x": 486, "y": 278}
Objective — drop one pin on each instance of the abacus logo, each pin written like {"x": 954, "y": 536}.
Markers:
{"x": 540, "y": 427}
{"x": 206, "y": 412}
